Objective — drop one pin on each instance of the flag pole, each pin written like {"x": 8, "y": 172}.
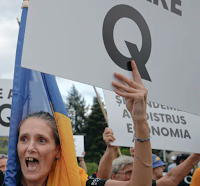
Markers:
{"x": 25, "y": 4}
{"x": 104, "y": 113}
{"x": 101, "y": 105}
{"x": 18, "y": 21}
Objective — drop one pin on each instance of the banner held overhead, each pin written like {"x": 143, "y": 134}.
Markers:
{"x": 91, "y": 38}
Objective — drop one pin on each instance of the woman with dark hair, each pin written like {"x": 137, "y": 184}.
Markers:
{"x": 39, "y": 144}
{"x": 38, "y": 147}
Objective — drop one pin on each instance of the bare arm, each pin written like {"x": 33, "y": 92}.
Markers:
{"x": 178, "y": 173}
{"x": 82, "y": 164}
{"x": 142, "y": 174}
{"x": 136, "y": 97}
{"x": 110, "y": 154}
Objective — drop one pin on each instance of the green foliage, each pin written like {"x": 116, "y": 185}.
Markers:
{"x": 91, "y": 168}
{"x": 91, "y": 125}
{"x": 125, "y": 151}
{"x": 77, "y": 109}
{"x": 3, "y": 151}
{"x": 3, "y": 145}
{"x": 94, "y": 128}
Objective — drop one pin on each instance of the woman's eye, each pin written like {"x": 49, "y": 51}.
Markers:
{"x": 42, "y": 140}
{"x": 23, "y": 138}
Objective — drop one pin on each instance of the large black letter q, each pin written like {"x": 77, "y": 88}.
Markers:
{"x": 2, "y": 107}
{"x": 140, "y": 57}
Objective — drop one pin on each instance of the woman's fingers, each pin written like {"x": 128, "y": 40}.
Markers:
{"x": 108, "y": 135}
{"x": 128, "y": 81}
{"x": 137, "y": 78}
{"x": 124, "y": 87}
{"x": 136, "y": 74}
{"x": 136, "y": 96}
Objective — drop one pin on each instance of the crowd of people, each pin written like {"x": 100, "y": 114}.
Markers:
{"x": 39, "y": 147}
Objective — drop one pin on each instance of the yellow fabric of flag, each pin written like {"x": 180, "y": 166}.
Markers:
{"x": 65, "y": 171}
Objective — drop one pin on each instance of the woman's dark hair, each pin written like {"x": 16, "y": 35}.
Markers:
{"x": 49, "y": 119}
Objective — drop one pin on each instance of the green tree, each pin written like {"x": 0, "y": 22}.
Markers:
{"x": 125, "y": 151}
{"x": 94, "y": 128}
{"x": 91, "y": 168}
{"x": 3, "y": 145}
{"x": 77, "y": 109}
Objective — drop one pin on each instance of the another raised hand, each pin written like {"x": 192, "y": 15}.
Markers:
{"x": 108, "y": 137}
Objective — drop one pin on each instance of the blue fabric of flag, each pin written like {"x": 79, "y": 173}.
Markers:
{"x": 33, "y": 92}
{"x": 29, "y": 96}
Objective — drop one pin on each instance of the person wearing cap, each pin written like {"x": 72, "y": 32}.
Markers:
{"x": 158, "y": 167}
{"x": 109, "y": 164}
{"x": 171, "y": 166}
{"x": 3, "y": 162}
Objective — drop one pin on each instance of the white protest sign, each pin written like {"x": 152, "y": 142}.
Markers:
{"x": 79, "y": 145}
{"x": 88, "y": 40}
{"x": 170, "y": 129}
{"x": 5, "y": 105}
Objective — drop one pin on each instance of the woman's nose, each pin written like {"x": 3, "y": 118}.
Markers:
{"x": 31, "y": 147}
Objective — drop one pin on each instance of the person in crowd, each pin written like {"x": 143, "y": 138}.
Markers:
{"x": 81, "y": 162}
{"x": 172, "y": 178}
{"x": 38, "y": 144}
{"x": 181, "y": 158}
{"x": 196, "y": 178}
{"x": 3, "y": 162}
{"x": 132, "y": 151}
{"x": 1, "y": 177}
{"x": 94, "y": 175}
{"x": 171, "y": 166}
{"x": 158, "y": 167}
{"x": 122, "y": 168}
{"x": 187, "y": 179}
{"x": 3, "y": 165}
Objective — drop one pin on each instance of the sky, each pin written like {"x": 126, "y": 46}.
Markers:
{"x": 9, "y": 12}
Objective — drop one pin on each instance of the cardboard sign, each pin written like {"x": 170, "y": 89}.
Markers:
{"x": 87, "y": 41}
{"x": 5, "y": 105}
{"x": 79, "y": 145}
{"x": 170, "y": 129}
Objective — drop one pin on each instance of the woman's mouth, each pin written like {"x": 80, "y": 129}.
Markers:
{"x": 31, "y": 163}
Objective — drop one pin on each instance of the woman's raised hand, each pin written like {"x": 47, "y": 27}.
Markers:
{"x": 134, "y": 92}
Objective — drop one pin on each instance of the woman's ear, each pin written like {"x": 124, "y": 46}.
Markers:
{"x": 58, "y": 152}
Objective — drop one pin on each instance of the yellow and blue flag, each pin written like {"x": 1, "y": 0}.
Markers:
{"x": 33, "y": 92}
